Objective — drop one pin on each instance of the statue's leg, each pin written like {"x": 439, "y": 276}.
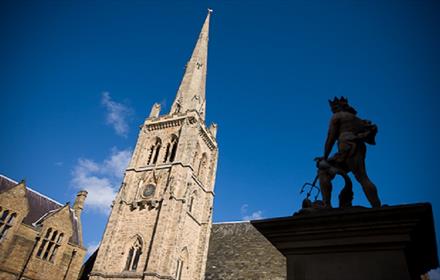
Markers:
{"x": 325, "y": 183}
{"x": 360, "y": 173}
{"x": 346, "y": 195}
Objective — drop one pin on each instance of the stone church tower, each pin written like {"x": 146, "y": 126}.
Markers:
{"x": 160, "y": 223}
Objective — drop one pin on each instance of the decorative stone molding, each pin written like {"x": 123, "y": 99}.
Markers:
{"x": 200, "y": 184}
{"x": 207, "y": 138}
{"x": 154, "y": 274}
{"x": 164, "y": 124}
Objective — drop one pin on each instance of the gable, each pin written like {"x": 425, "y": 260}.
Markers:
{"x": 40, "y": 207}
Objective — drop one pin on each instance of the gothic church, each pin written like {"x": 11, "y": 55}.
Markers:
{"x": 160, "y": 221}
{"x": 160, "y": 226}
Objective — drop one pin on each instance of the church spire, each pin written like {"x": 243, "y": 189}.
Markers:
{"x": 191, "y": 93}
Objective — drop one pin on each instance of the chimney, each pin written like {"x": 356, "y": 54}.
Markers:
{"x": 78, "y": 206}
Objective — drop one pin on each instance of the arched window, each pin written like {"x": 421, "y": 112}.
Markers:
{"x": 171, "y": 149}
{"x": 56, "y": 246}
{"x": 134, "y": 254}
{"x": 179, "y": 269}
{"x": 174, "y": 142}
{"x": 167, "y": 153}
{"x": 154, "y": 152}
{"x": 181, "y": 261}
{"x": 194, "y": 163}
{"x": 6, "y": 222}
{"x": 192, "y": 200}
{"x": 150, "y": 154}
{"x": 49, "y": 245}
{"x": 202, "y": 166}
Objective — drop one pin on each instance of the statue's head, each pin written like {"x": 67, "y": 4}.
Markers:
{"x": 341, "y": 105}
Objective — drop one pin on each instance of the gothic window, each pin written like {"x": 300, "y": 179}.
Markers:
{"x": 210, "y": 172}
{"x": 150, "y": 154}
{"x": 49, "y": 245}
{"x": 196, "y": 154}
{"x": 179, "y": 269}
{"x": 191, "y": 201}
{"x": 154, "y": 152}
{"x": 4, "y": 215}
{"x": 171, "y": 149}
{"x": 202, "y": 166}
{"x": 174, "y": 141}
{"x": 134, "y": 254}
{"x": 6, "y": 222}
{"x": 180, "y": 264}
{"x": 167, "y": 152}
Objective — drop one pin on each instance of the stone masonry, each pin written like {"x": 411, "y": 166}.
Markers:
{"x": 40, "y": 239}
{"x": 160, "y": 222}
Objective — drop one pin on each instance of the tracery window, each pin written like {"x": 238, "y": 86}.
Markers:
{"x": 49, "y": 245}
{"x": 170, "y": 153}
{"x": 6, "y": 222}
{"x": 154, "y": 152}
{"x": 171, "y": 150}
{"x": 134, "y": 254}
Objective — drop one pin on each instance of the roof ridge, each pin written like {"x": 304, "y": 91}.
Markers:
{"x": 9, "y": 179}
{"x": 231, "y": 222}
{"x": 32, "y": 190}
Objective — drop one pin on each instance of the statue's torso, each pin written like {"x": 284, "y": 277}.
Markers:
{"x": 347, "y": 124}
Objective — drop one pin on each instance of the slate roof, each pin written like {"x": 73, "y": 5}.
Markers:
{"x": 238, "y": 251}
{"x": 39, "y": 206}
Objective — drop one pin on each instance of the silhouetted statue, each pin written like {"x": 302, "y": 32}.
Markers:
{"x": 351, "y": 134}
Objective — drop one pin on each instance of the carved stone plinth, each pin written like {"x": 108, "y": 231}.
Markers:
{"x": 394, "y": 242}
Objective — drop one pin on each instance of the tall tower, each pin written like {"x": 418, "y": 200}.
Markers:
{"x": 161, "y": 218}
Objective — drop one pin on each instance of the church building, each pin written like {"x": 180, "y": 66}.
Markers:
{"x": 40, "y": 238}
{"x": 160, "y": 222}
{"x": 160, "y": 226}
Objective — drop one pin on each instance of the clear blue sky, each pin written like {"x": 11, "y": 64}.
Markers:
{"x": 272, "y": 67}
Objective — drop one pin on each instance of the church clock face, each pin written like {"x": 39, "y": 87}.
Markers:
{"x": 148, "y": 190}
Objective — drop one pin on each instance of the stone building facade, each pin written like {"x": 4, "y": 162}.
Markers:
{"x": 160, "y": 222}
{"x": 40, "y": 239}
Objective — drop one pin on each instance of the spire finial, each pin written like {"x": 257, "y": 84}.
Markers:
{"x": 210, "y": 11}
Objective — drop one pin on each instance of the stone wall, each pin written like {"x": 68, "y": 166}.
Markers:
{"x": 19, "y": 245}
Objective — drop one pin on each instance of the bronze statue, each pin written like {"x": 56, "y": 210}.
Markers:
{"x": 351, "y": 134}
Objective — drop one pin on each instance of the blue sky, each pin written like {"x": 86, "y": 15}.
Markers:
{"x": 77, "y": 78}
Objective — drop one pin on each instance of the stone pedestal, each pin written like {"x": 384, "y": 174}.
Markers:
{"x": 392, "y": 242}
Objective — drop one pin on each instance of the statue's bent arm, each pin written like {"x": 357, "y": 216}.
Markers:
{"x": 332, "y": 136}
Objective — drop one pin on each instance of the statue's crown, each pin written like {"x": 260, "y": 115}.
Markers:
{"x": 338, "y": 101}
